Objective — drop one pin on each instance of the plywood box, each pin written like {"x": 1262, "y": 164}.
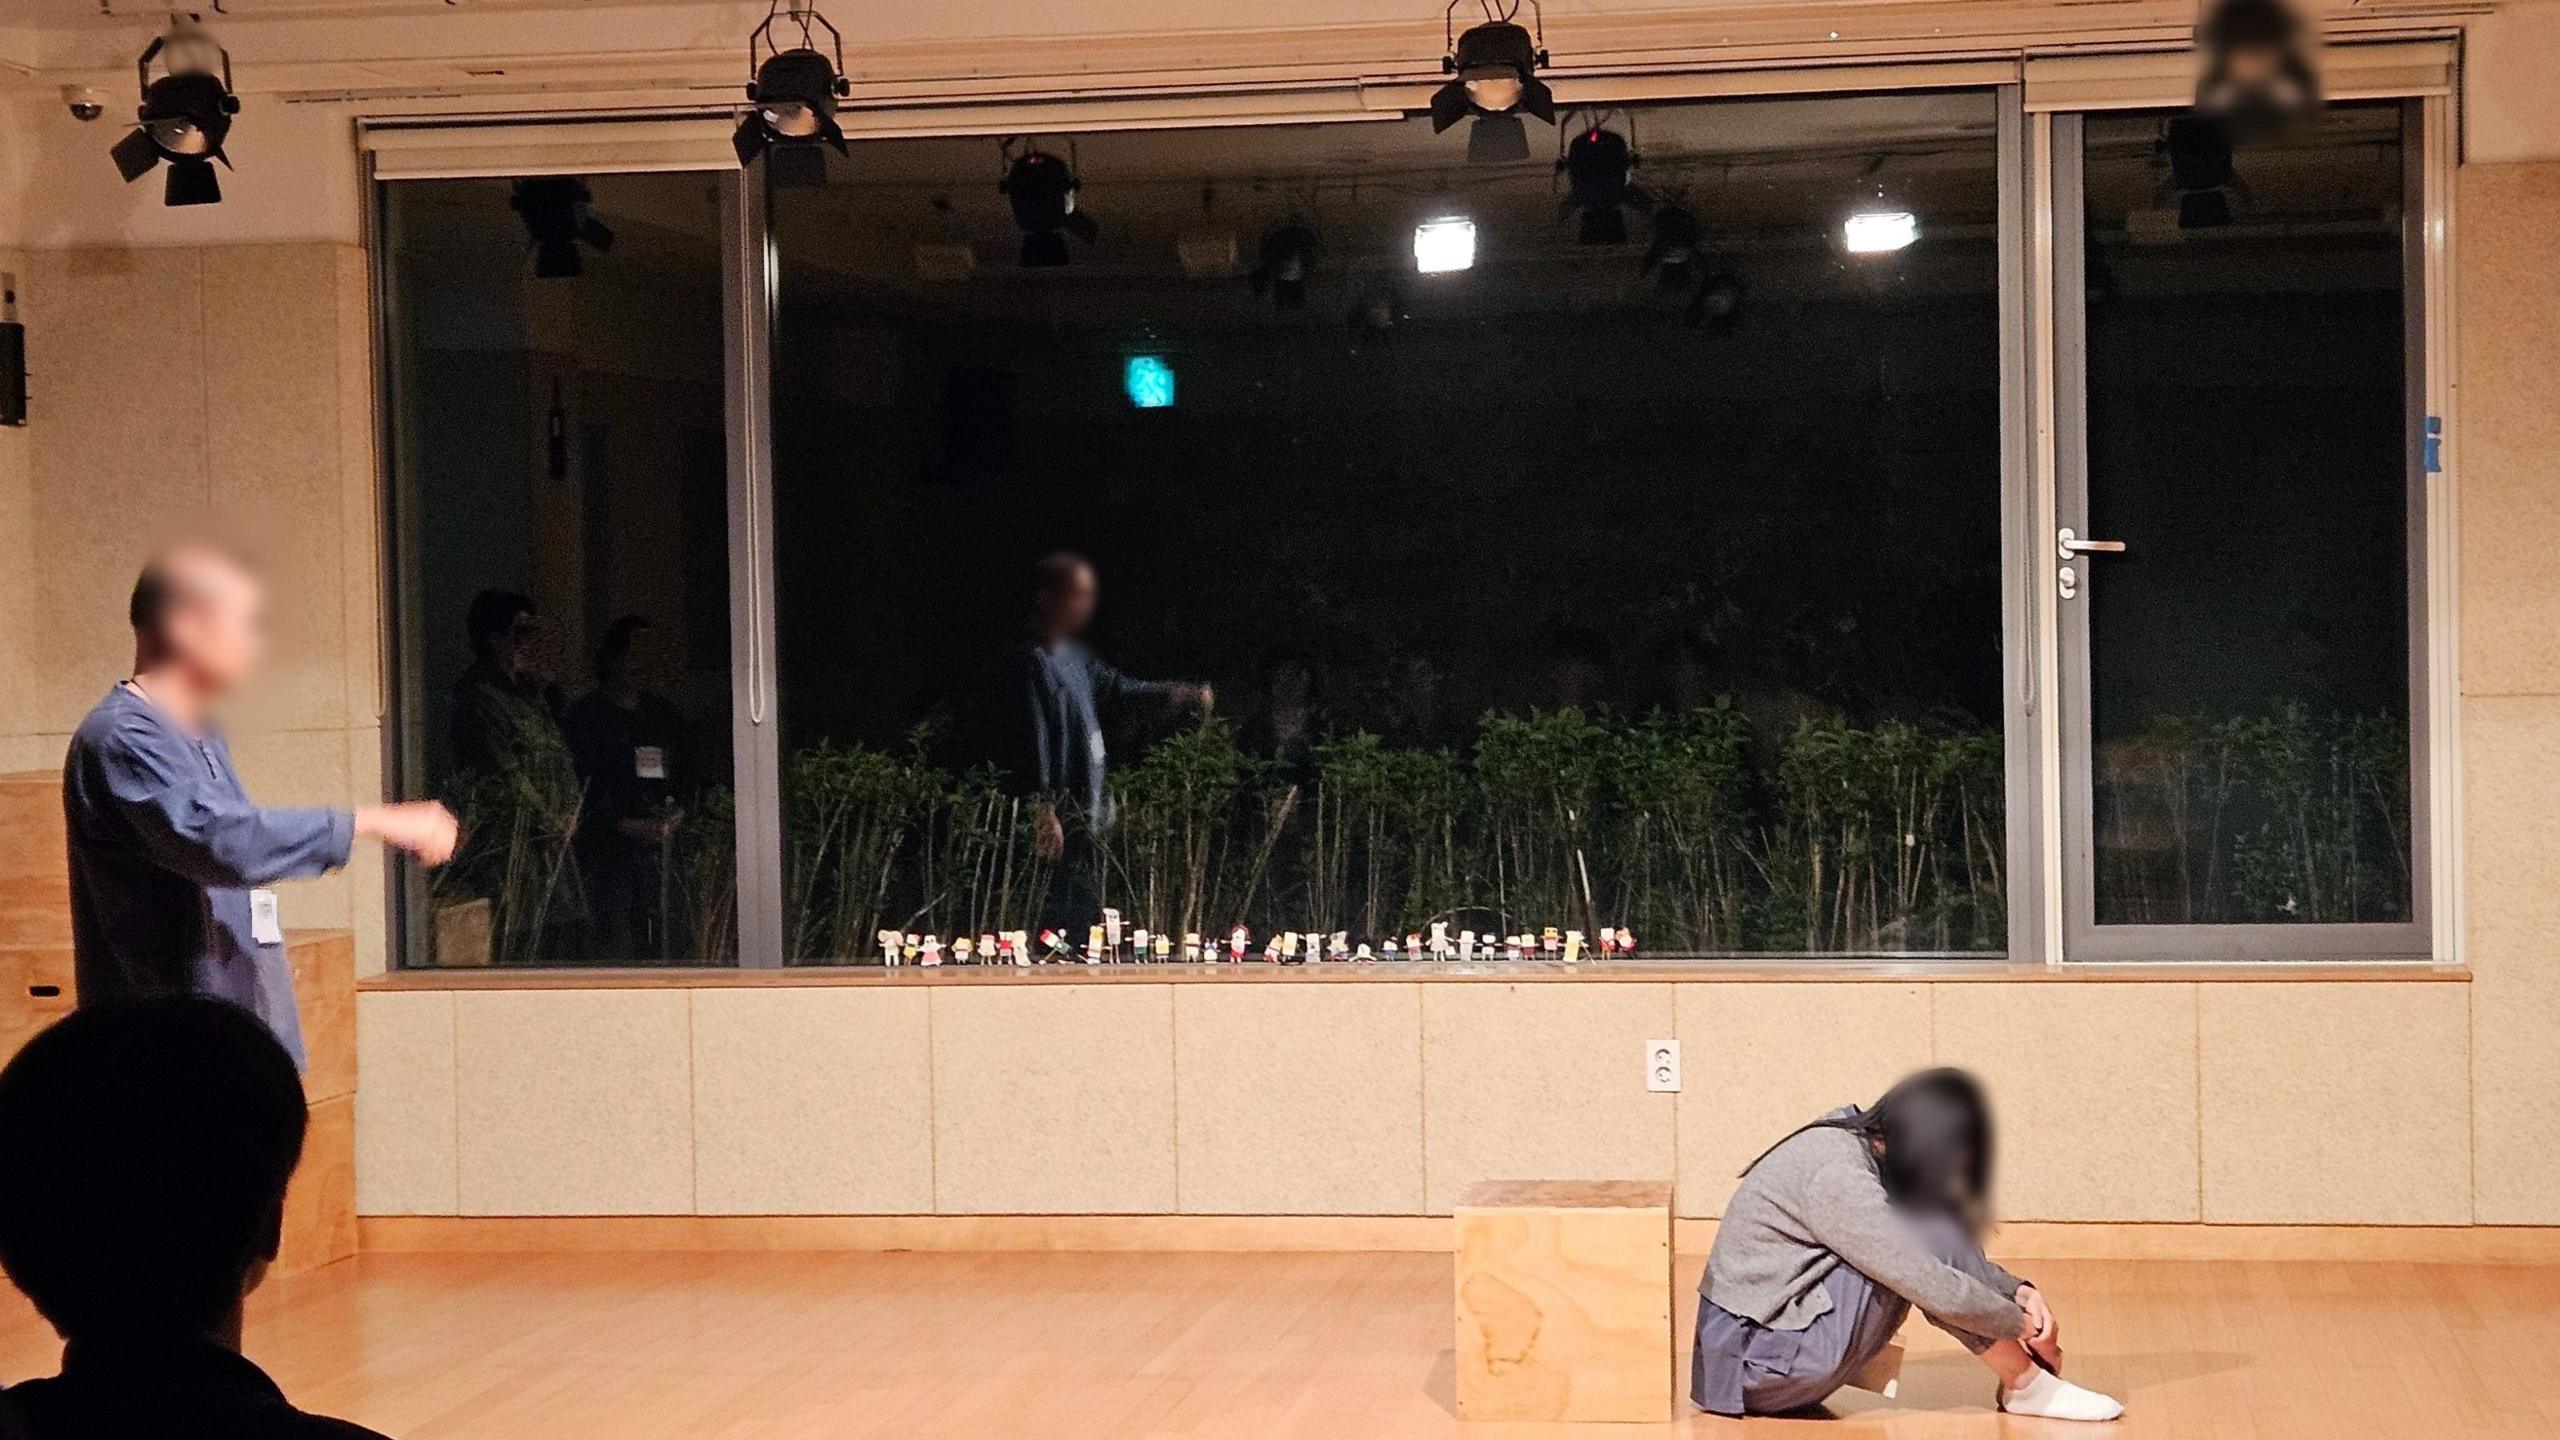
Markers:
{"x": 320, "y": 1206}
{"x": 1564, "y": 1301}
{"x": 35, "y": 869}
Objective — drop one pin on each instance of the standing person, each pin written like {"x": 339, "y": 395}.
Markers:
{"x": 628, "y": 742}
{"x": 1048, "y": 711}
{"x": 502, "y": 698}
{"x": 144, "y": 1150}
{"x": 169, "y": 856}
{"x": 1839, "y": 1229}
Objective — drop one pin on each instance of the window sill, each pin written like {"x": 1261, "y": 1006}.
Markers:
{"x": 1521, "y": 972}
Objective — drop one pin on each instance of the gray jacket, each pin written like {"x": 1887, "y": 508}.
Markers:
{"x": 1814, "y": 1203}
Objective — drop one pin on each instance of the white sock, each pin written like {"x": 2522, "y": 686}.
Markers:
{"x": 2049, "y": 1395}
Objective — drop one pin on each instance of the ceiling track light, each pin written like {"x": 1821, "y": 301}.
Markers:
{"x": 1495, "y": 68}
{"x": 2259, "y": 65}
{"x": 559, "y": 217}
{"x": 1042, "y": 188}
{"x": 1599, "y": 165}
{"x": 794, "y": 93}
{"x": 185, "y": 115}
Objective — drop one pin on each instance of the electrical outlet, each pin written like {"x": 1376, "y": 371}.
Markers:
{"x": 1662, "y": 1066}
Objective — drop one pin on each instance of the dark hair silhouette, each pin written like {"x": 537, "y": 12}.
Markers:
{"x": 492, "y": 613}
{"x": 144, "y": 1150}
{"x": 1931, "y": 1134}
{"x": 616, "y": 645}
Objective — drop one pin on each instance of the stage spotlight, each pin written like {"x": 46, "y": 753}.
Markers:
{"x": 1674, "y": 251}
{"x": 1445, "y": 245}
{"x": 1717, "y": 307}
{"x": 185, "y": 115}
{"x": 1042, "y": 190}
{"x": 1878, "y": 232}
{"x": 795, "y": 93}
{"x": 2201, "y": 170}
{"x": 1496, "y": 68}
{"x": 558, "y": 218}
{"x": 1287, "y": 258}
{"x": 2260, "y": 68}
{"x": 1597, "y": 165}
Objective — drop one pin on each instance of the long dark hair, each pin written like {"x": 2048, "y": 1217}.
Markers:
{"x": 1932, "y": 1138}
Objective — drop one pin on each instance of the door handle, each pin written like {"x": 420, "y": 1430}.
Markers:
{"x": 2068, "y": 543}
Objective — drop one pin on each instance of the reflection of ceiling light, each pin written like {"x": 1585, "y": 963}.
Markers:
{"x": 559, "y": 216}
{"x": 1441, "y": 246}
{"x": 1042, "y": 190}
{"x": 1288, "y": 257}
{"x": 1876, "y": 232}
{"x": 1596, "y": 167}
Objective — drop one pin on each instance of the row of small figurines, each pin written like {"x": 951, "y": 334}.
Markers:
{"x": 1104, "y": 943}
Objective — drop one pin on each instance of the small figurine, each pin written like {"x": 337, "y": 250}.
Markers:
{"x": 1549, "y": 940}
{"x": 962, "y": 947}
{"x": 1390, "y": 949}
{"x": 1289, "y": 947}
{"x": 1608, "y": 942}
{"x": 1439, "y": 939}
{"x": 1093, "y": 945}
{"x": 1164, "y": 947}
{"x": 1141, "y": 944}
{"x": 1339, "y": 947}
{"x": 1237, "y": 940}
{"x": 1111, "y": 931}
{"x": 1190, "y": 945}
{"x": 1363, "y": 952}
{"x": 891, "y": 941}
{"x": 1626, "y": 942}
{"x": 1573, "y": 947}
{"x": 1052, "y": 945}
{"x": 1413, "y": 944}
{"x": 987, "y": 948}
{"x": 913, "y": 947}
{"x": 1466, "y": 946}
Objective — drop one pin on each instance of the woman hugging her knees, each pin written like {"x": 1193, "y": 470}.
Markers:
{"x": 1839, "y": 1229}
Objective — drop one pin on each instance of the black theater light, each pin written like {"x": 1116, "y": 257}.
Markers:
{"x": 185, "y": 115}
{"x": 1598, "y": 166}
{"x": 795, "y": 93}
{"x": 1286, "y": 259}
{"x": 2201, "y": 169}
{"x": 559, "y": 217}
{"x": 1495, "y": 68}
{"x": 1042, "y": 187}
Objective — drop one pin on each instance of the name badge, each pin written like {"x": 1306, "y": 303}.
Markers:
{"x": 649, "y": 762}
{"x": 266, "y": 924}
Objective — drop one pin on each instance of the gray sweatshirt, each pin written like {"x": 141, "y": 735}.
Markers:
{"x": 1814, "y": 1203}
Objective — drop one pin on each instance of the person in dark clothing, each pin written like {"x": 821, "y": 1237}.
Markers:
{"x": 169, "y": 857}
{"x": 501, "y": 696}
{"x": 1288, "y": 722}
{"x": 1051, "y": 700}
{"x": 628, "y": 742}
{"x": 144, "y": 1150}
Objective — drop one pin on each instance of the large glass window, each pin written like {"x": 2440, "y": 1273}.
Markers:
{"x": 555, "y": 362}
{"x": 1638, "y": 570}
{"x": 2248, "y": 444}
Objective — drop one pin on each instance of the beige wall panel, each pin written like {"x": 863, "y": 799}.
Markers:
{"x": 1759, "y": 1060}
{"x": 2511, "y": 851}
{"x": 2345, "y": 1103}
{"x": 1299, "y": 1099}
{"x": 300, "y": 767}
{"x": 812, "y": 1102}
{"x": 406, "y": 1159}
{"x": 1541, "y": 1082}
{"x": 575, "y": 1102}
{"x": 18, "y": 601}
{"x": 359, "y": 488}
{"x": 2510, "y": 427}
{"x": 368, "y": 881}
{"x": 271, "y": 438}
{"x": 2095, "y": 1087}
{"x": 1056, "y": 1099}
{"x": 118, "y": 463}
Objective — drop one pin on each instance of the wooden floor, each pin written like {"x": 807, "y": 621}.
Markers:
{"x": 1341, "y": 1347}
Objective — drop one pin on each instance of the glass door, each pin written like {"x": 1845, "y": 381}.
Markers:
{"x": 2238, "y": 540}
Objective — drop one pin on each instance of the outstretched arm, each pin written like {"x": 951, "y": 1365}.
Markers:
{"x": 208, "y": 834}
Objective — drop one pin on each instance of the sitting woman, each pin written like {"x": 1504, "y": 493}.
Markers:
{"x": 1839, "y": 1229}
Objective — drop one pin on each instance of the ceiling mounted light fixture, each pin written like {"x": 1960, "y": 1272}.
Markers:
{"x": 185, "y": 114}
{"x": 795, "y": 93}
{"x": 1444, "y": 246}
{"x": 559, "y": 217}
{"x": 1598, "y": 165}
{"x": 1495, "y": 65}
{"x": 1041, "y": 187}
{"x": 1879, "y": 232}
{"x": 2260, "y": 68}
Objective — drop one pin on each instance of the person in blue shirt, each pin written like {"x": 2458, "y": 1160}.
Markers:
{"x": 1052, "y": 700}
{"x": 170, "y": 858}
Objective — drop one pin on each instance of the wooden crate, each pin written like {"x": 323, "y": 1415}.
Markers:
{"x": 1564, "y": 1301}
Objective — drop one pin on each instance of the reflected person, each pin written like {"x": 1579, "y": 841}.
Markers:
{"x": 1052, "y": 699}
{"x": 628, "y": 742}
{"x": 502, "y": 701}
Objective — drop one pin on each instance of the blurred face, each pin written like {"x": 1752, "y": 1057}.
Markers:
{"x": 513, "y": 646}
{"x": 218, "y": 627}
{"x": 1069, "y": 601}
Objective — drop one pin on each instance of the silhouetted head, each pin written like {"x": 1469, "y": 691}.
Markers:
{"x": 1063, "y": 593}
{"x": 625, "y": 651}
{"x": 200, "y": 608}
{"x": 144, "y": 1150}
{"x": 501, "y": 626}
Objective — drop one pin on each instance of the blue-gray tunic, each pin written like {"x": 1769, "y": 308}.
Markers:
{"x": 165, "y": 848}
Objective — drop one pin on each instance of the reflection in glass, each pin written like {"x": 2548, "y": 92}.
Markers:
{"x": 1598, "y": 583}
{"x": 559, "y": 456}
{"x": 2249, "y": 653}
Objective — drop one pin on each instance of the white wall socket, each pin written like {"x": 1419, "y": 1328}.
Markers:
{"x": 1662, "y": 1066}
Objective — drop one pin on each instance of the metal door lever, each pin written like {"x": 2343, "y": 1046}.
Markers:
{"x": 2068, "y": 543}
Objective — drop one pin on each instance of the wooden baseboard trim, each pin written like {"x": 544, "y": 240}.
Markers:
{"x": 2404, "y": 1244}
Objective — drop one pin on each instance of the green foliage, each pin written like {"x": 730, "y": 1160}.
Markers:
{"x": 517, "y": 822}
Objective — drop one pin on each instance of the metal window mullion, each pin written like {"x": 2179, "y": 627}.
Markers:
{"x": 747, "y": 333}
{"x": 2021, "y": 631}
